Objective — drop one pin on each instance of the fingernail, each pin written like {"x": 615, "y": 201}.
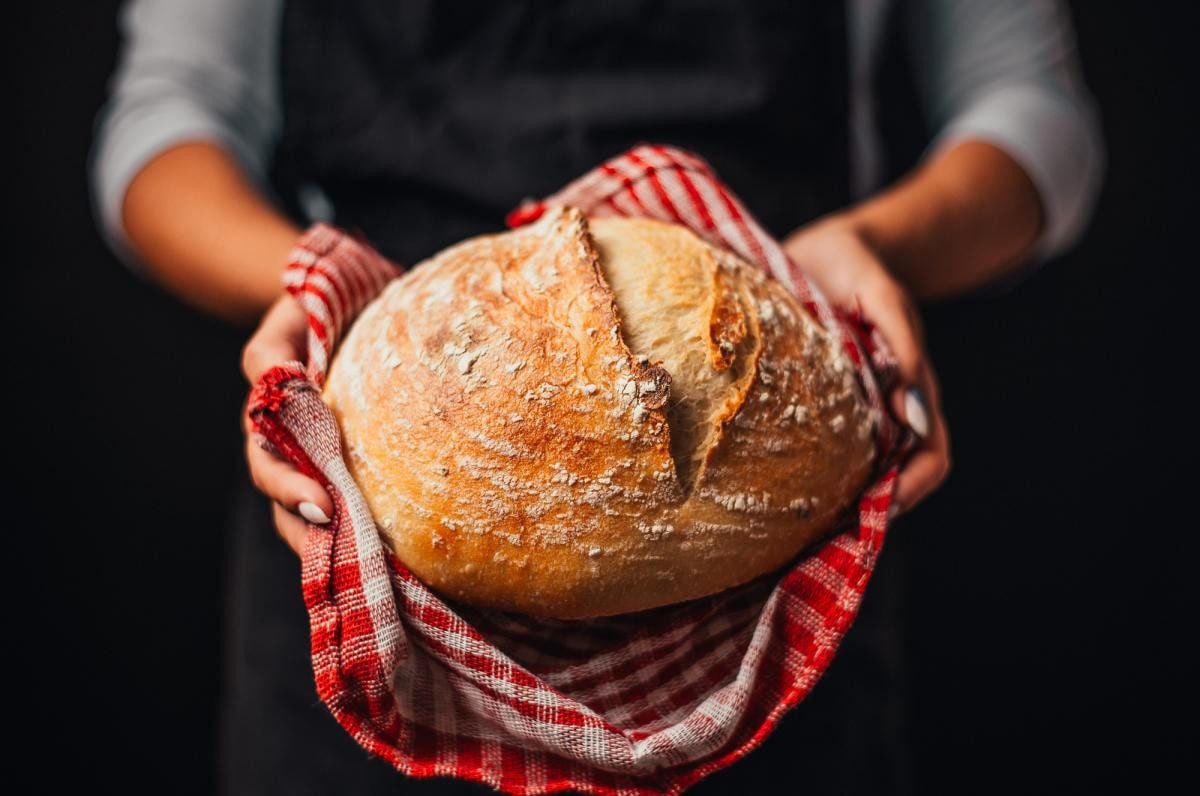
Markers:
{"x": 893, "y": 511}
{"x": 914, "y": 412}
{"x": 312, "y": 512}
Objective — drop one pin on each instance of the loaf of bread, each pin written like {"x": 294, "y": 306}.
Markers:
{"x": 582, "y": 418}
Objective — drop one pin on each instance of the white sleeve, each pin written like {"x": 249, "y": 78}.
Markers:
{"x": 1007, "y": 72}
{"x": 188, "y": 71}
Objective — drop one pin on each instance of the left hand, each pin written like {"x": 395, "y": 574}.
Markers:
{"x": 832, "y": 253}
{"x": 297, "y": 500}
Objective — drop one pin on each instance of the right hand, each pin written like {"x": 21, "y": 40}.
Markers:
{"x": 836, "y": 256}
{"x": 297, "y": 499}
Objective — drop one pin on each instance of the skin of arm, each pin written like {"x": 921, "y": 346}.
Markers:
{"x": 216, "y": 243}
{"x": 957, "y": 222}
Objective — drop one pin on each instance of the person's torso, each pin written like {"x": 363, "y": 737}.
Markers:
{"x": 425, "y": 122}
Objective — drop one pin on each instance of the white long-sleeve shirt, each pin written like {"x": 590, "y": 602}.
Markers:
{"x": 1003, "y": 71}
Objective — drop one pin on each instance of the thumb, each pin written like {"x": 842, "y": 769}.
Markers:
{"x": 280, "y": 338}
{"x": 914, "y": 397}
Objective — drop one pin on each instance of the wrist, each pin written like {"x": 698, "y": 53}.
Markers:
{"x": 858, "y": 224}
{"x": 890, "y": 225}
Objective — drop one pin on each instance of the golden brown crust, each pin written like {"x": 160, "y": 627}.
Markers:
{"x": 516, "y": 454}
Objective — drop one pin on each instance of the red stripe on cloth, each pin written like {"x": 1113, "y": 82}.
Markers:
{"x": 512, "y": 768}
{"x": 305, "y": 283}
{"x": 350, "y": 265}
{"x": 525, "y": 214}
{"x": 653, "y": 653}
{"x": 676, "y": 686}
{"x": 840, "y": 560}
{"x": 652, "y": 175}
{"x": 682, "y": 165}
{"x": 356, "y": 292}
{"x": 424, "y": 751}
{"x": 470, "y": 758}
{"x": 317, "y": 292}
{"x": 346, "y": 307}
{"x": 729, "y": 205}
{"x": 628, "y": 185}
{"x": 810, "y": 590}
{"x": 318, "y": 328}
{"x": 716, "y": 672}
{"x": 564, "y": 715}
{"x": 694, "y": 194}
{"x": 439, "y": 618}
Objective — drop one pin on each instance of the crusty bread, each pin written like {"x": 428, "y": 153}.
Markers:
{"x": 578, "y": 419}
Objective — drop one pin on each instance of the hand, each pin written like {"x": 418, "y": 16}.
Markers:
{"x": 836, "y": 257}
{"x": 298, "y": 499}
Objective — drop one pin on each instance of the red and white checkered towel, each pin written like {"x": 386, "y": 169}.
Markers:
{"x": 640, "y": 703}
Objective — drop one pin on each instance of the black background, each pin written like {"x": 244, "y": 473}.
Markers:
{"x": 1052, "y": 579}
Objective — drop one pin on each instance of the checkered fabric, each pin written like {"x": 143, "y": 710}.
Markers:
{"x": 640, "y": 703}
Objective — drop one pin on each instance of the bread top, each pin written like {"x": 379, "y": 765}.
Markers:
{"x": 577, "y": 419}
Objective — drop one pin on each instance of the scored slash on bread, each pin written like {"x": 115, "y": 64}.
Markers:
{"x": 578, "y": 419}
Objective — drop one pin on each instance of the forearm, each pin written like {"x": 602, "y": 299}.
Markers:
{"x": 205, "y": 233}
{"x": 961, "y": 219}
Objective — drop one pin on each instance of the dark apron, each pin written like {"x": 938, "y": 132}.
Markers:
{"x": 425, "y": 122}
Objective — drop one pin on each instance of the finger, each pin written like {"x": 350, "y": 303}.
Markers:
{"x": 886, "y": 305}
{"x": 292, "y": 529}
{"x": 914, "y": 321}
{"x": 284, "y": 484}
{"x": 923, "y": 473}
{"x": 927, "y": 467}
{"x": 914, "y": 398}
{"x": 279, "y": 338}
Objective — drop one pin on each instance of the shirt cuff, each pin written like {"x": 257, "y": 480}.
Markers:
{"x": 1057, "y": 143}
{"x": 129, "y": 141}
